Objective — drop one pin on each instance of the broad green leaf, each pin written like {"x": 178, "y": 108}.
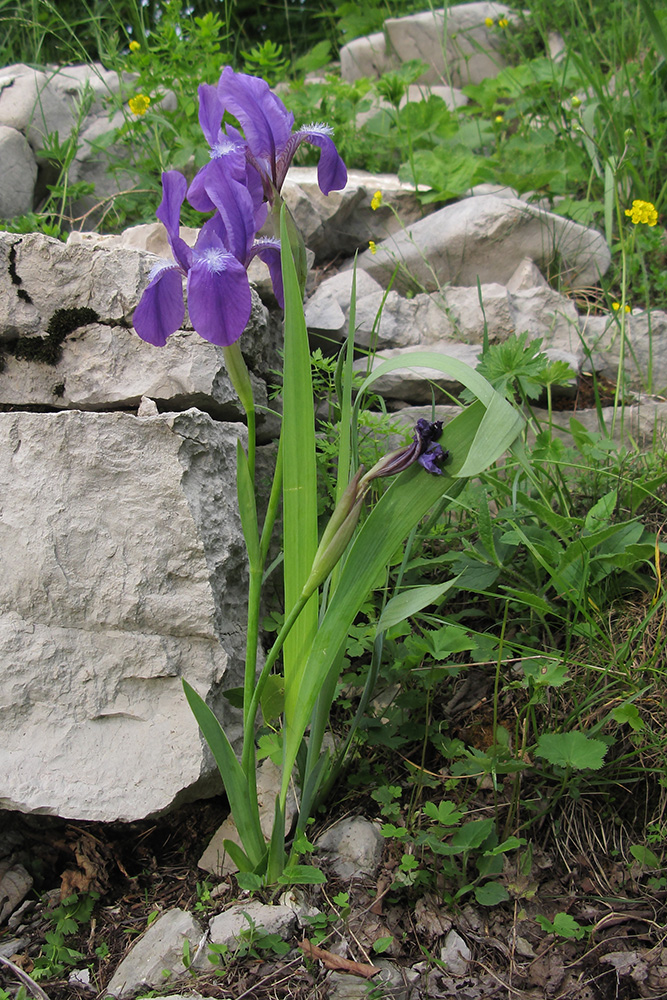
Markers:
{"x": 572, "y": 749}
{"x": 302, "y": 875}
{"x": 473, "y": 834}
{"x": 491, "y": 893}
{"x": 239, "y": 857}
{"x": 564, "y": 925}
{"x": 244, "y": 811}
{"x": 276, "y": 858}
{"x": 600, "y": 512}
{"x": 410, "y": 602}
{"x": 446, "y": 813}
{"x": 511, "y": 844}
{"x": 545, "y": 671}
{"x": 628, "y": 713}
{"x": 299, "y": 470}
{"x": 644, "y": 856}
{"x": 273, "y": 697}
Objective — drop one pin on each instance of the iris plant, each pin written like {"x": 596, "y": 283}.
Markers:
{"x": 246, "y": 171}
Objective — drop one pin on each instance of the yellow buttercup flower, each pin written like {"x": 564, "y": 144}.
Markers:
{"x": 499, "y": 119}
{"x": 617, "y": 305}
{"x": 139, "y": 105}
{"x": 134, "y": 46}
{"x": 503, "y": 22}
{"x": 488, "y": 21}
{"x": 376, "y": 200}
{"x": 372, "y": 247}
{"x": 642, "y": 212}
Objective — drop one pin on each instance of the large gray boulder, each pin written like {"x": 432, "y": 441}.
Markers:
{"x": 30, "y": 104}
{"x": 124, "y": 570}
{"x": 455, "y": 42}
{"x": 485, "y": 238}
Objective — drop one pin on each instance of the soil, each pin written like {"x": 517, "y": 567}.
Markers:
{"x": 142, "y": 868}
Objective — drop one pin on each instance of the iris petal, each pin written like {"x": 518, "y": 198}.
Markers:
{"x": 219, "y": 299}
{"x": 265, "y": 121}
{"x": 161, "y": 310}
{"x": 174, "y": 186}
{"x": 331, "y": 171}
{"x": 268, "y": 250}
{"x": 235, "y": 208}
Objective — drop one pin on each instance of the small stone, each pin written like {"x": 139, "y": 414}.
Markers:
{"x": 160, "y": 950}
{"x": 354, "y": 845}
{"x": 455, "y": 953}
{"x": 225, "y": 928}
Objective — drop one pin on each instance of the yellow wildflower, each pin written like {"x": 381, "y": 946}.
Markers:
{"x": 617, "y": 305}
{"x": 376, "y": 200}
{"x": 576, "y": 102}
{"x": 134, "y": 46}
{"x": 499, "y": 119}
{"x": 139, "y": 105}
{"x": 503, "y": 22}
{"x": 372, "y": 247}
{"x": 642, "y": 211}
{"x": 488, "y": 21}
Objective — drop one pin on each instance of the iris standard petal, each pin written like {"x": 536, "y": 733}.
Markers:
{"x": 266, "y": 122}
{"x": 235, "y": 209}
{"x": 174, "y": 187}
{"x": 210, "y": 112}
{"x": 219, "y": 299}
{"x": 161, "y": 310}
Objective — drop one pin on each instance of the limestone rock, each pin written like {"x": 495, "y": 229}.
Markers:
{"x": 40, "y": 275}
{"x": 28, "y": 103}
{"x": 160, "y": 950}
{"x": 226, "y": 928}
{"x": 645, "y": 347}
{"x": 343, "y": 221}
{"x": 456, "y": 954}
{"x": 354, "y": 846}
{"x": 127, "y": 574}
{"x": 101, "y": 363}
{"x": 485, "y": 238}
{"x": 456, "y": 44}
{"x": 19, "y": 173}
{"x": 367, "y": 56}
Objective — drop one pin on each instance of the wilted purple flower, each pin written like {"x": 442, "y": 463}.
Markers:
{"x": 269, "y": 144}
{"x": 338, "y": 532}
{"x": 218, "y": 291}
{"x": 423, "y": 449}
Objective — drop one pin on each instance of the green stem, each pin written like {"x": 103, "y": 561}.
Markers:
{"x": 247, "y": 759}
{"x": 240, "y": 379}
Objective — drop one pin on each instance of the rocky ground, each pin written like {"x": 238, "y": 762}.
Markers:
{"x": 145, "y": 869}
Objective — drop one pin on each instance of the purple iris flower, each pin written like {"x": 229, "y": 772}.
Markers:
{"x": 218, "y": 291}
{"x": 269, "y": 144}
